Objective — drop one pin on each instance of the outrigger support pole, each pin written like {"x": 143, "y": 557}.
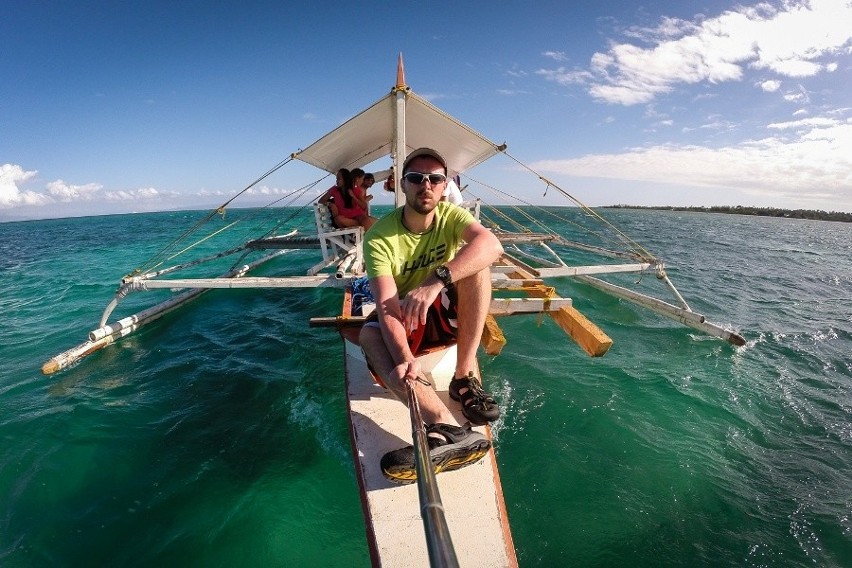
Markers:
{"x": 103, "y": 336}
{"x": 683, "y": 315}
{"x": 108, "y": 334}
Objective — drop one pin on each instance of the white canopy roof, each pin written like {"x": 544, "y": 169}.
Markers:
{"x": 369, "y": 136}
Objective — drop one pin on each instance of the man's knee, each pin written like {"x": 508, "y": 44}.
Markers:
{"x": 370, "y": 334}
{"x": 477, "y": 281}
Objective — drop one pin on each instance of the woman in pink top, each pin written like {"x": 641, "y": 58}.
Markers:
{"x": 347, "y": 202}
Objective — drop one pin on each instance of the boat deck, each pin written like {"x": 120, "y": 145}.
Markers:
{"x": 472, "y": 496}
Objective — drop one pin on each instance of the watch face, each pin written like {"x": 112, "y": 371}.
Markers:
{"x": 443, "y": 273}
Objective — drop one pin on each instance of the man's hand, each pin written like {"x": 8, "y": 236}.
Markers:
{"x": 408, "y": 371}
{"x": 416, "y": 303}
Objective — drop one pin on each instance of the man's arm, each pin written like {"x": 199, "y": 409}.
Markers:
{"x": 390, "y": 319}
{"x": 480, "y": 250}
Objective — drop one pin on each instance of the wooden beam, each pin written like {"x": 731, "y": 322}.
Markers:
{"x": 585, "y": 333}
{"x": 582, "y": 330}
{"x": 493, "y": 339}
{"x": 510, "y": 306}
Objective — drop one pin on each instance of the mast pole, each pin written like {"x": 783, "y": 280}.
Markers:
{"x": 398, "y": 150}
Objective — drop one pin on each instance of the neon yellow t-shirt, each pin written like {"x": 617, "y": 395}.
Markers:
{"x": 392, "y": 250}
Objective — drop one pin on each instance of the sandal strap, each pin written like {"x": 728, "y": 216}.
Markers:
{"x": 477, "y": 394}
{"x": 450, "y": 434}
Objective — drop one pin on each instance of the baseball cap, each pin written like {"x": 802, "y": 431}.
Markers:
{"x": 424, "y": 152}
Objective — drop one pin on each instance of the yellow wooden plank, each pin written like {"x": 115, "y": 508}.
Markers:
{"x": 582, "y": 330}
{"x": 585, "y": 333}
{"x": 493, "y": 339}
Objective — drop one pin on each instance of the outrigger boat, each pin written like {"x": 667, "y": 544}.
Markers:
{"x": 472, "y": 508}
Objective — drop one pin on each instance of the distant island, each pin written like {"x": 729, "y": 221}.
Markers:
{"x": 759, "y": 211}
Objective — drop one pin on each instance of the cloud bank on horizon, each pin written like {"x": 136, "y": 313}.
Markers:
{"x": 795, "y": 54}
{"x": 807, "y": 160}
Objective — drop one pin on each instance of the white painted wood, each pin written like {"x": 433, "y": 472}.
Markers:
{"x": 319, "y": 281}
{"x": 472, "y": 496}
{"x": 599, "y": 269}
{"x": 338, "y": 243}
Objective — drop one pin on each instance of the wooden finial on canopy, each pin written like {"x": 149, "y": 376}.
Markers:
{"x": 400, "y": 74}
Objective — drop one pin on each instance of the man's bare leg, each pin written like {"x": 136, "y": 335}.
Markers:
{"x": 474, "y": 300}
{"x": 432, "y": 407}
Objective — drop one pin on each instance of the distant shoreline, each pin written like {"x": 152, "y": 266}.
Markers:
{"x": 813, "y": 214}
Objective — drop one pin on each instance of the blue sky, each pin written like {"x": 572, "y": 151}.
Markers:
{"x": 115, "y": 107}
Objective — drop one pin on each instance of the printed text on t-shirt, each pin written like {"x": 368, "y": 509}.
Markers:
{"x": 425, "y": 259}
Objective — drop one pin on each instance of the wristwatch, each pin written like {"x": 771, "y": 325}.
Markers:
{"x": 444, "y": 275}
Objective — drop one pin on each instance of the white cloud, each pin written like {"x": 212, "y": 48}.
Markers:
{"x": 132, "y": 194}
{"x": 61, "y": 191}
{"x": 816, "y": 163}
{"x": 11, "y": 176}
{"x": 770, "y": 86}
{"x": 266, "y": 190}
{"x": 208, "y": 193}
{"x": 565, "y": 77}
{"x": 556, "y": 55}
{"x": 511, "y": 92}
{"x": 795, "y": 40}
{"x": 806, "y": 122}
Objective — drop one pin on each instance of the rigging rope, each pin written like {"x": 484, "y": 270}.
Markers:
{"x": 631, "y": 245}
{"x": 167, "y": 252}
{"x": 163, "y": 255}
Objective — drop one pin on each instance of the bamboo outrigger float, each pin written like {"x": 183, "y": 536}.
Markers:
{"x": 392, "y": 127}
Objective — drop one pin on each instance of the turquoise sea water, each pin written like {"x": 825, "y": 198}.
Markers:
{"x": 218, "y": 437}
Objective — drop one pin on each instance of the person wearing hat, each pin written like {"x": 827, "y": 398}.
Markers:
{"x": 429, "y": 291}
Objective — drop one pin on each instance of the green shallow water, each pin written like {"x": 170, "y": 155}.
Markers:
{"x": 218, "y": 436}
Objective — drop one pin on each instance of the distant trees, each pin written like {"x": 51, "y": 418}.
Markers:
{"x": 759, "y": 211}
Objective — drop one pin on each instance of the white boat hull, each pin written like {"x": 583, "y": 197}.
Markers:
{"x": 472, "y": 496}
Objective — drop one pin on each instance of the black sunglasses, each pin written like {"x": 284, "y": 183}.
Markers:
{"x": 418, "y": 177}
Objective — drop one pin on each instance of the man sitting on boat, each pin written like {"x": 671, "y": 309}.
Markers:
{"x": 417, "y": 272}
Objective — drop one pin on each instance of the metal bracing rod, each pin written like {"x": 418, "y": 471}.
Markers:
{"x": 661, "y": 274}
{"x": 556, "y": 256}
{"x": 601, "y": 250}
{"x": 134, "y": 284}
{"x": 536, "y": 258}
{"x": 687, "y": 318}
